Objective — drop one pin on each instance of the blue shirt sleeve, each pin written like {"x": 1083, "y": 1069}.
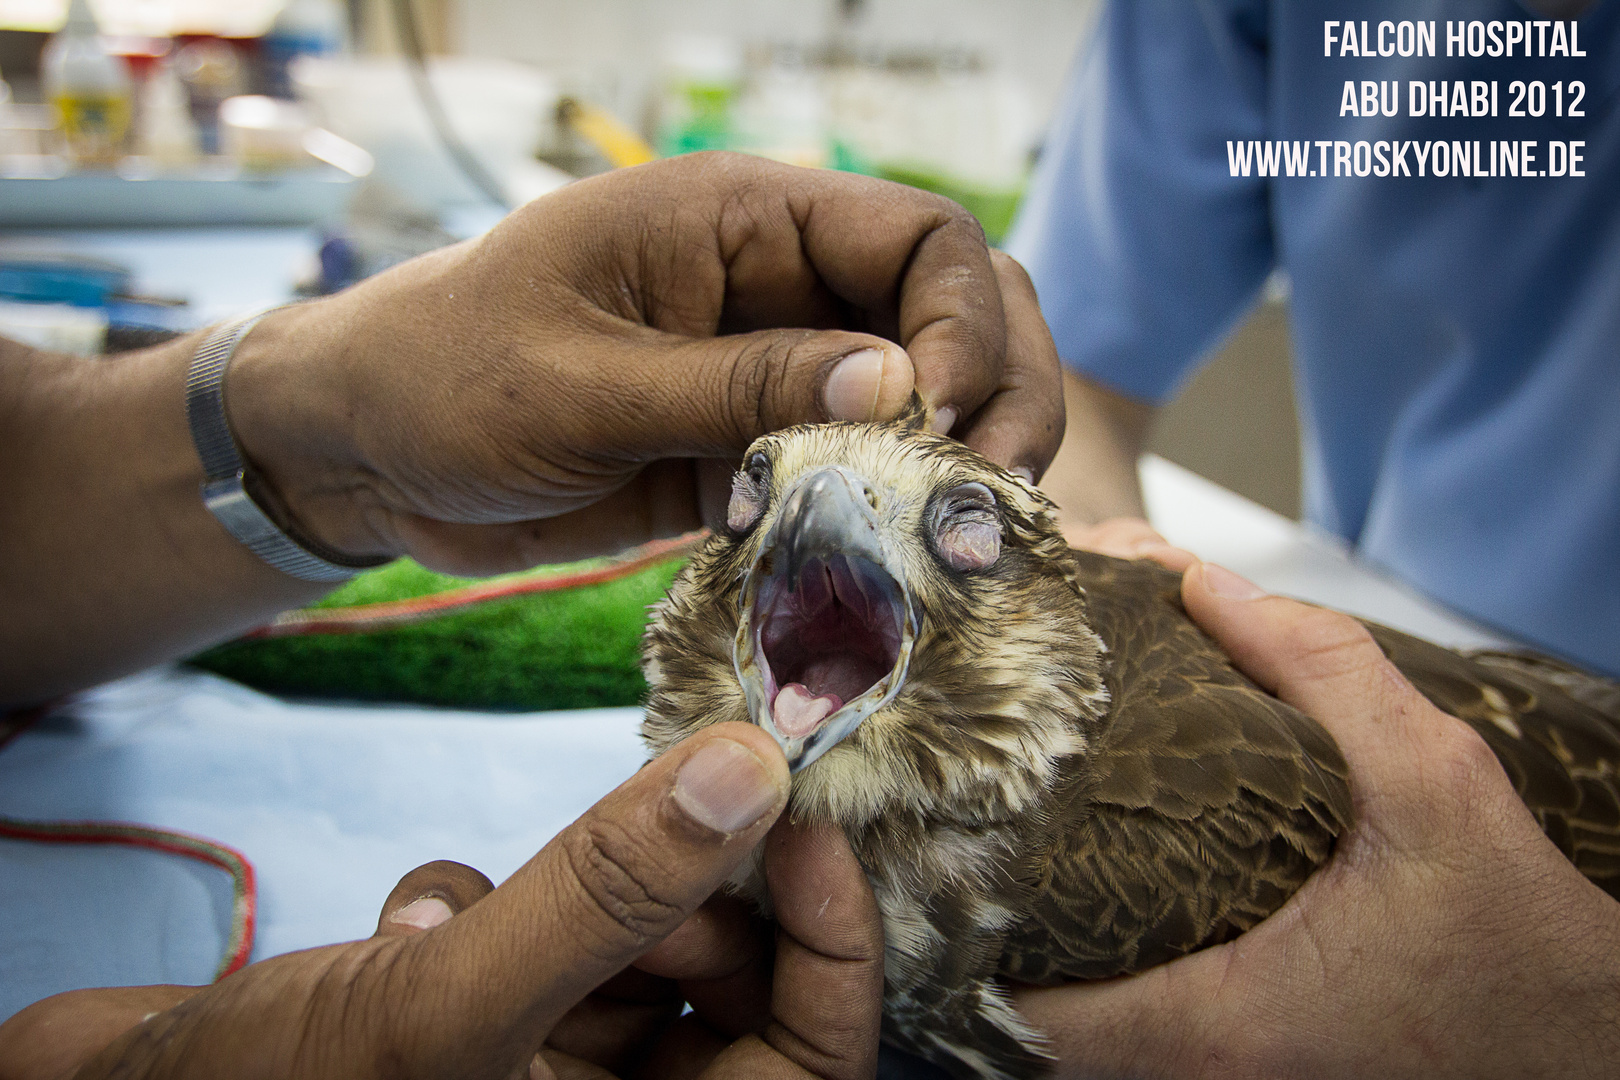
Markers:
{"x": 1143, "y": 247}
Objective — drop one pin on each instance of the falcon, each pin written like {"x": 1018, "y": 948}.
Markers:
{"x": 1046, "y": 769}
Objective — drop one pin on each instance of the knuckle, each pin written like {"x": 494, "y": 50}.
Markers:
{"x": 616, "y": 874}
{"x": 957, "y": 216}
{"x": 934, "y": 213}
{"x": 757, "y": 383}
{"x": 1465, "y": 756}
{"x": 354, "y": 1001}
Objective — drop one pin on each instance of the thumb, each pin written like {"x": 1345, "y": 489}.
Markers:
{"x": 717, "y": 395}
{"x": 1328, "y": 666}
{"x": 1157, "y": 1023}
{"x": 605, "y": 890}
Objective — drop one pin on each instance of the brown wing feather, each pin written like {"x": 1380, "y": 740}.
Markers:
{"x": 1200, "y": 808}
{"x": 1555, "y": 729}
{"x": 1205, "y": 803}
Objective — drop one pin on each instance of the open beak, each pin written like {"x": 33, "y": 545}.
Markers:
{"x": 827, "y": 624}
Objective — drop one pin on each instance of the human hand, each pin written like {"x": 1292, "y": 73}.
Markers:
{"x": 746, "y": 979}
{"x": 1129, "y": 538}
{"x": 1446, "y": 937}
{"x": 465, "y": 981}
{"x": 543, "y": 392}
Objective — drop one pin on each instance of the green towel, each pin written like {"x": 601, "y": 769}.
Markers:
{"x": 516, "y": 642}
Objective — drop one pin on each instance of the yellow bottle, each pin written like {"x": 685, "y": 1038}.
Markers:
{"x": 89, "y": 87}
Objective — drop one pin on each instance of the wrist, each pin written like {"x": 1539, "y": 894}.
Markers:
{"x": 290, "y": 403}
{"x": 1585, "y": 994}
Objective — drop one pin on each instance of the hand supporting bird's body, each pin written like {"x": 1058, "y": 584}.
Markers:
{"x": 1047, "y": 770}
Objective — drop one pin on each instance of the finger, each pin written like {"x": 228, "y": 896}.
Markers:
{"x": 615, "y": 1024}
{"x": 721, "y": 938}
{"x": 1099, "y": 1030}
{"x": 1129, "y": 538}
{"x": 902, "y": 263}
{"x": 56, "y": 1036}
{"x": 714, "y": 396}
{"x": 723, "y": 957}
{"x": 726, "y": 965}
{"x": 428, "y": 896}
{"x": 873, "y": 243}
{"x": 604, "y": 891}
{"x": 1169, "y": 557}
{"x": 550, "y": 1064}
{"x": 1327, "y": 665}
{"x": 1021, "y": 426}
{"x": 812, "y": 248}
{"x": 827, "y": 995}
{"x": 659, "y": 501}
{"x": 737, "y": 1004}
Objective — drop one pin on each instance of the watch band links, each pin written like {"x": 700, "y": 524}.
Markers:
{"x": 225, "y": 491}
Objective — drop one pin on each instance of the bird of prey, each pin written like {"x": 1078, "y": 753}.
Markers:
{"x": 1046, "y": 769}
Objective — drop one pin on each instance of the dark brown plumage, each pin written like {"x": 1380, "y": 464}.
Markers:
{"x": 1047, "y": 770}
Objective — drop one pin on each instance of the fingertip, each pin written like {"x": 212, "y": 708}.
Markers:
{"x": 871, "y": 383}
{"x": 422, "y": 914}
{"x": 1168, "y": 556}
{"x": 1012, "y": 432}
{"x": 898, "y": 381}
{"x": 1223, "y": 584}
{"x": 793, "y": 847}
{"x": 1210, "y": 606}
{"x": 731, "y": 779}
{"x": 429, "y": 895}
{"x": 755, "y": 738}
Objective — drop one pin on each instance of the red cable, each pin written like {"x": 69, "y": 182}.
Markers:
{"x": 245, "y": 890}
{"x": 360, "y": 618}
{"x": 244, "y": 913}
{"x": 244, "y": 882}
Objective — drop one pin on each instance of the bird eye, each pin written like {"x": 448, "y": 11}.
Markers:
{"x": 968, "y": 528}
{"x": 749, "y": 488}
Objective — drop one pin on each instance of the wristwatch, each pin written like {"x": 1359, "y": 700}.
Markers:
{"x": 226, "y": 490}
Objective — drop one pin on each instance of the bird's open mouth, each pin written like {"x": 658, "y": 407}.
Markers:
{"x": 826, "y": 642}
{"x": 826, "y": 630}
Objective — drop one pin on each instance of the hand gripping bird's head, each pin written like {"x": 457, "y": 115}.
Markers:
{"x": 897, "y": 612}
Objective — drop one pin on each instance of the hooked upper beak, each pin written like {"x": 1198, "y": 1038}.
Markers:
{"x": 827, "y": 514}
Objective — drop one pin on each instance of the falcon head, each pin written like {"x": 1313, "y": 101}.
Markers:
{"x": 899, "y": 613}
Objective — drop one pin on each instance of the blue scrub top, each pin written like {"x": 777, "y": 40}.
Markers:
{"x": 1456, "y": 338}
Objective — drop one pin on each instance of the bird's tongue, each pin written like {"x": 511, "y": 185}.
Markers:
{"x": 797, "y": 712}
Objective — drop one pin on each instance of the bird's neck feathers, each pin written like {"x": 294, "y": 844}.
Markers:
{"x": 998, "y": 693}
{"x": 1000, "y": 689}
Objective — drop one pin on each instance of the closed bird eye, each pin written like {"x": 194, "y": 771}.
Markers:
{"x": 967, "y": 531}
{"x": 749, "y": 488}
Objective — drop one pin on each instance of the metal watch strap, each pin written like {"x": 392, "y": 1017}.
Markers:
{"x": 224, "y": 491}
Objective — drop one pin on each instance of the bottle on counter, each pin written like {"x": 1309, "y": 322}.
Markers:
{"x": 212, "y": 71}
{"x": 167, "y": 136}
{"x": 89, "y": 88}
{"x": 703, "y": 77}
